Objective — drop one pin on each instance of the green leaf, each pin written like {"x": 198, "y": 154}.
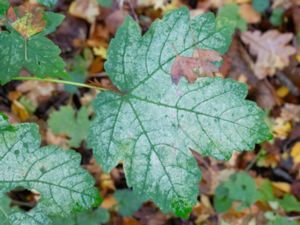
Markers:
{"x": 65, "y": 121}
{"x": 10, "y": 216}
{"x": 277, "y": 16}
{"x": 53, "y": 20}
{"x": 266, "y": 192}
{"x": 90, "y": 217}
{"x": 48, "y": 3}
{"x": 260, "y": 5}
{"x": 96, "y": 217}
{"x": 128, "y": 201}
{"x": 289, "y": 203}
{"x": 152, "y": 123}
{"x": 38, "y": 55}
{"x": 105, "y": 3}
{"x": 53, "y": 172}
{"x": 222, "y": 200}
{"x": 4, "y": 124}
{"x": 229, "y": 15}
{"x": 240, "y": 187}
{"x": 282, "y": 221}
{"x": 4, "y": 4}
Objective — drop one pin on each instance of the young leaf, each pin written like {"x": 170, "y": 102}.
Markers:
{"x": 75, "y": 127}
{"x": 29, "y": 49}
{"x": 128, "y": 201}
{"x": 151, "y": 124}
{"x": 240, "y": 187}
{"x": 53, "y": 172}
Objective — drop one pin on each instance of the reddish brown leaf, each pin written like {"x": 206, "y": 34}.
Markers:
{"x": 200, "y": 64}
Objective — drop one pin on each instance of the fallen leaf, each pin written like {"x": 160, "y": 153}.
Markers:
{"x": 19, "y": 110}
{"x": 290, "y": 112}
{"x": 282, "y": 186}
{"x": 85, "y": 9}
{"x": 295, "y": 153}
{"x": 130, "y": 221}
{"x": 27, "y": 19}
{"x": 282, "y": 91}
{"x": 201, "y": 63}
{"x": 37, "y": 91}
{"x": 248, "y": 13}
{"x": 115, "y": 19}
{"x": 281, "y": 128}
{"x": 272, "y": 50}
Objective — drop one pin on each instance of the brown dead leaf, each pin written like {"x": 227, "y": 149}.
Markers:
{"x": 130, "y": 221}
{"x": 290, "y": 112}
{"x": 37, "y": 91}
{"x": 248, "y": 13}
{"x": 27, "y": 19}
{"x": 272, "y": 50}
{"x": 109, "y": 202}
{"x": 85, "y": 9}
{"x": 201, "y": 63}
{"x": 115, "y": 19}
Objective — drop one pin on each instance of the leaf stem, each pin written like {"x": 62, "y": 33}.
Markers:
{"x": 60, "y": 82}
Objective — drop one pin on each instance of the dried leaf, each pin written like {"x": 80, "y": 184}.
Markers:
{"x": 27, "y": 20}
{"x": 290, "y": 112}
{"x": 248, "y": 13}
{"x": 85, "y": 9}
{"x": 295, "y": 153}
{"x": 272, "y": 50}
{"x": 201, "y": 63}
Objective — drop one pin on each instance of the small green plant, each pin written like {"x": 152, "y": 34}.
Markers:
{"x": 150, "y": 124}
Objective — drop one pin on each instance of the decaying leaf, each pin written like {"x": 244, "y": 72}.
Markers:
{"x": 27, "y": 20}
{"x": 290, "y": 112}
{"x": 85, "y": 9}
{"x": 272, "y": 50}
{"x": 249, "y": 14}
{"x": 201, "y": 63}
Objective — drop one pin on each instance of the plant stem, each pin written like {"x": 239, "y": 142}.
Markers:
{"x": 60, "y": 82}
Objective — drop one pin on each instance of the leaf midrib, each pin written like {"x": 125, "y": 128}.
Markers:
{"x": 188, "y": 110}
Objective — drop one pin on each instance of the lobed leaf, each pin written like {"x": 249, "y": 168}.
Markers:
{"x": 53, "y": 172}
{"x": 26, "y": 47}
{"x": 152, "y": 124}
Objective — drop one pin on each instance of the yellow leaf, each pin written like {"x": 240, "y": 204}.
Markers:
{"x": 282, "y": 91}
{"x": 19, "y": 110}
{"x": 282, "y": 186}
{"x": 100, "y": 51}
{"x": 281, "y": 128}
{"x": 298, "y": 57}
{"x": 295, "y": 153}
{"x": 109, "y": 202}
